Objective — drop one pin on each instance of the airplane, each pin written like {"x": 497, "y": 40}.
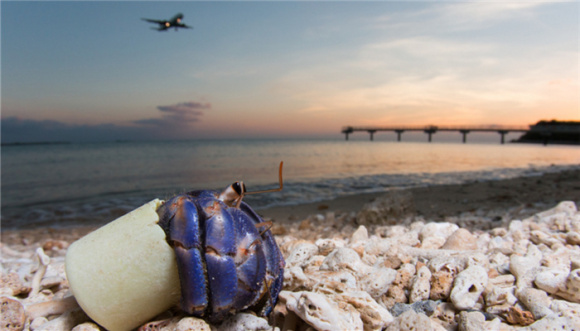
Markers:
{"x": 174, "y": 22}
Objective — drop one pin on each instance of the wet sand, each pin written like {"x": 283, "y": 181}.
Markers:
{"x": 435, "y": 203}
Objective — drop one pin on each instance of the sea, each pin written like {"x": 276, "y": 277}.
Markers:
{"x": 60, "y": 185}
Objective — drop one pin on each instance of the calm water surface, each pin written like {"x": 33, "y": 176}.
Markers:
{"x": 74, "y": 183}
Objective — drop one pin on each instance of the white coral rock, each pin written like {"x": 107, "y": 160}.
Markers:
{"x": 294, "y": 278}
{"x": 471, "y": 321}
{"x": 554, "y": 323}
{"x": 501, "y": 295}
{"x": 238, "y": 322}
{"x": 300, "y": 254}
{"x": 410, "y": 320}
{"x": 378, "y": 281}
{"x": 537, "y": 301}
{"x": 468, "y": 286}
{"x": 360, "y": 235}
{"x": 461, "y": 239}
{"x": 568, "y": 208}
{"x": 571, "y": 291}
{"x": 325, "y": 246}
{"x": 343, "y": 257}
{"x": 551, "y": 281}
{"x": 333, "y": 282}
{"x": 525, "y": 268}
{"x": 442, "y": 230}
{"x": 316, "y": 310}
{"x": 420, "y": 285}
{"x": 373, "y": 315}
{"x": 569, "y": 310}
{"x": 192, "y": 323}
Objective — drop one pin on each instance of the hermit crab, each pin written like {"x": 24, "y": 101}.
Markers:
{"x": 206, "y": 251}
{"x": 227, "y": 258}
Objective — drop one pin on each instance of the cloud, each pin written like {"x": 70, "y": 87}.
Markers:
{"x": 425, "y": 69}
{"x": 457, "y": 15}
{"x": 466, "y": 14}
{"x": 424, "y": 53}
{"x": 178, "y": 115}
{"x": 175, "y": 123}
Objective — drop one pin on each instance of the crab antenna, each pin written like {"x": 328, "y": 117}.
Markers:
{"x": 274, "y": 189}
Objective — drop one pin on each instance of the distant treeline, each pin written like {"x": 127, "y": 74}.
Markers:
{"x": 557, "y": 123}
{"x": 553, "y": 132}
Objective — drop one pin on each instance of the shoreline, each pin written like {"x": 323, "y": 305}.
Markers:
{"x": 437, "y": 202}
{"x": 514, "y": 198}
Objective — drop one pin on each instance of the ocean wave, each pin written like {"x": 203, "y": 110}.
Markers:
{"x": 104, "y": 208}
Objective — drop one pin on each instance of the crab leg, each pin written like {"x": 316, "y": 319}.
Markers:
{"x": 220, "y": 249}
{"x": 185, "y": 237}
{"x": 250, "y": 262}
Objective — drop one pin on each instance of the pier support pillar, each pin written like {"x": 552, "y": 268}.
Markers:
{"x": 372, "y": 132}
{"x": 430, "y": 132}
{"x": 464, "y": 133}
{"x": 399, "y": 132}
{"x": 347, "y": 130}
{"x": 503, "y": 133}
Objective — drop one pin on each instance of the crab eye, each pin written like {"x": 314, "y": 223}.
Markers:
{"x": 239, "y": 187}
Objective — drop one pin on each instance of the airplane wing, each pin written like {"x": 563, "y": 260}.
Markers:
{"x": 153, "y": 21}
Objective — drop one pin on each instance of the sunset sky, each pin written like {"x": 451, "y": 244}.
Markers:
{"x": 81, "y": 71}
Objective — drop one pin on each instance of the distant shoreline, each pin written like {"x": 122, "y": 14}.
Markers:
{"x": 37, "y": 143}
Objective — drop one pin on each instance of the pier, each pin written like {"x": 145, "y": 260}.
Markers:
{"x": 430, "y": 130}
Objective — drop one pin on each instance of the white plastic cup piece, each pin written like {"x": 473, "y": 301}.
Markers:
{"x": 125, "y": 273}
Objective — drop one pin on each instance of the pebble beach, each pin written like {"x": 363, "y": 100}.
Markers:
{"x": 487, "y": 255}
